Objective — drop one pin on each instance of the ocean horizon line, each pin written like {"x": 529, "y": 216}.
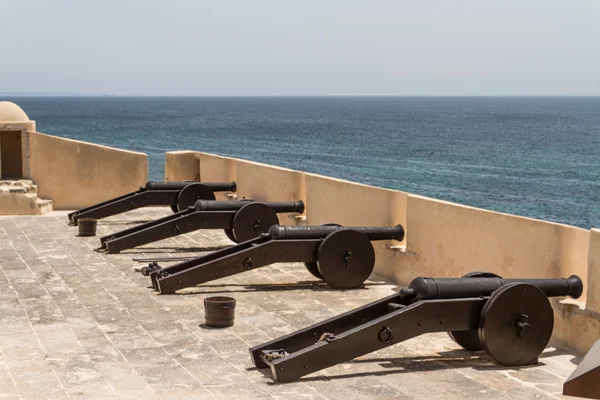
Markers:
{"x": 99, "y": 95}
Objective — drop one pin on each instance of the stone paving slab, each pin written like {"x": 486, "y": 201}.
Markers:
{"x": 75, "y": 323}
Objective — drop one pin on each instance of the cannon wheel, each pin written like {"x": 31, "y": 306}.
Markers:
{"x": 253, "y": 219}
{"x": 469, "y": 340}
{"x": 313, "y": 267}
{"x": 230, "y": 235}
{"x": 192, "y": 192}
{"x": 345, "y": 258}
{"x": 516, "y": 324}
{"x": 229, "y": 231}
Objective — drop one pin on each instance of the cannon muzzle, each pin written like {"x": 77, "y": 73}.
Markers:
{"x": 221, "y": 186}
{"x": 450, "y": 288}
{"x": 287, "y": 206}
{"x": 278, "y": 232}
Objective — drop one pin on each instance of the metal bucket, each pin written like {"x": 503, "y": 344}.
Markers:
{"x": 219, "y": 311}
{"x": 87, "y": 226}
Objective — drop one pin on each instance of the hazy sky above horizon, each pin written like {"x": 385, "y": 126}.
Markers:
{"x": 308, "y": 47}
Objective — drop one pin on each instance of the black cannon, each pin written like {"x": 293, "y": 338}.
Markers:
{"x": 242, "y": 220}
{"x": 342, "y": 257}
{"x": 511, "y": 319}
{"x": 178, "y": 195}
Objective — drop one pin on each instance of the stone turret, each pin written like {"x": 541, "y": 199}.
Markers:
{"x": 10, "y": 112}
{"x": 18, "y": 194}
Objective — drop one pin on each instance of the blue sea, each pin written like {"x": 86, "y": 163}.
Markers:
{"x": 531, "y": 156}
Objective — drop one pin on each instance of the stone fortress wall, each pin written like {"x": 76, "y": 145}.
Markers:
{"x": 443, "y": 239}
{"x": 76, "y": 174}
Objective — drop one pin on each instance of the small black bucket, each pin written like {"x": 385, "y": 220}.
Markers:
{"x": 87, "y": 226}
{"x": 219, "y": 311}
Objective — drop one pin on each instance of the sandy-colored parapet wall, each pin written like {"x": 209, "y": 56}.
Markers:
{"x": 331, "y": 200}
{"x": 181, "y": 166}
{"x": 443, "y": 239}
{"x": 75, "y": 174}
{"x": 449, "y": 239}
{"x": 216, "y": 168}
{"x": 270, "y": 183}
{"x": 593, "y": 292}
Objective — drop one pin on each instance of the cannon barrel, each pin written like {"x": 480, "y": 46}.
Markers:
{"x": 234, "y": 205}
{"x": 450, "y": 288}
{"x": 214, "y": 186}
{"x": 219, "y": 205}
{"x": 221, "y": 186}
{"x": 154, "y": 185}
{"x": 278, "y": 232}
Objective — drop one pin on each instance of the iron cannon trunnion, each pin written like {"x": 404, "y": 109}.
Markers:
{"x": 177, "y": 195}
{"x": 344, "y": 256}
{"x": 512, "y": 317}
{"x": 245, "y": 219}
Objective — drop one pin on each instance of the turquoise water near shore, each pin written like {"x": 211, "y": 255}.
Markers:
{"x": 535, "y": 157}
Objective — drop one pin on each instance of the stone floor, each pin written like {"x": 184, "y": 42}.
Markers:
{"x": 79, "y": 324}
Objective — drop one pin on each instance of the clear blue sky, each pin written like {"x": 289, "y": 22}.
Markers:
{"x": 304, "y": 47}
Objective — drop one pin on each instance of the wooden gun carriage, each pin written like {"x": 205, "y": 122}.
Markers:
{"x": 178, "y": 195}
{"x": 241, "y": 220}
{"x": 342, "y": 257}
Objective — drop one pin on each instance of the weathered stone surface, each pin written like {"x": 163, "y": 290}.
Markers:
{"x": 20, "y": 198}
{"x": 79, "y": 324}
